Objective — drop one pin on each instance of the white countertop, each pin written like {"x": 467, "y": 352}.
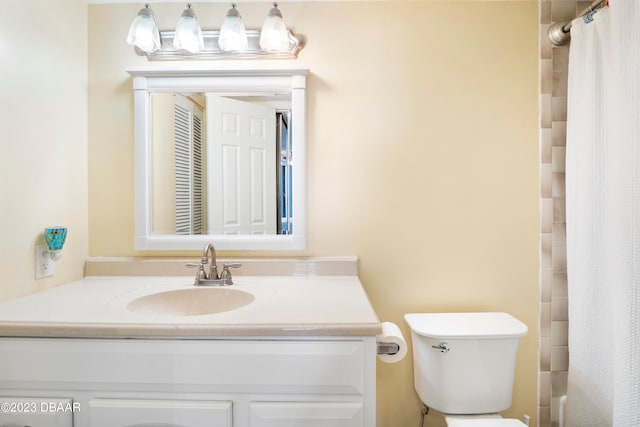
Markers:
{"x": 96, "y": 306}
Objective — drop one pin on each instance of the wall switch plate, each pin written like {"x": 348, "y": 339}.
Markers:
{"x": 44, "y": 263}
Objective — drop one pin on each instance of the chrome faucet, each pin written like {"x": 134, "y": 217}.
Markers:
{"x": 211, "y": 278}
{"x": 213, "y": 266}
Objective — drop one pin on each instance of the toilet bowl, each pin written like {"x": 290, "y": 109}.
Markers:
{"x": 488, "y": 420}
{"x": 464, "y": 365}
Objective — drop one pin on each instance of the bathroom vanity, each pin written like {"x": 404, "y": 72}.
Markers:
{"x": 302, "y": 352}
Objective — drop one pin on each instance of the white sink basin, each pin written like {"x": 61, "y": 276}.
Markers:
{"x": 196, "y": 301}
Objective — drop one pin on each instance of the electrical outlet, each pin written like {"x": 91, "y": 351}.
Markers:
{"x": 44, "y": 263}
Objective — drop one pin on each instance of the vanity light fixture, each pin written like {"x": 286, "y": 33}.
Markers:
{"x": 274, "y": 36}
{"x": 188, "y": 35}
{"x": 144, "y": 33}
{"x": 233, "y": 36}
{"x": 232, "y": 41}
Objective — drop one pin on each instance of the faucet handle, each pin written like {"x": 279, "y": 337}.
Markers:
{"x": 199, "y": 274}
{"x": 225, "y": 276}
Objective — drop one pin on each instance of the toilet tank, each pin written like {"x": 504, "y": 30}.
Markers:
{"x": 464, "y": 363}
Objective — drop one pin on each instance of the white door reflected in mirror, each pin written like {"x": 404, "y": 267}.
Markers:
{"x": 241, "y": 141}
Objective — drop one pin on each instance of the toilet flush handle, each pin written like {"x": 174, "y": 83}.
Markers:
{"x": 443, "y": 347}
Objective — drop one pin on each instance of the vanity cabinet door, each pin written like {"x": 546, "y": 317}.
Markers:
{"x": 166, "y": 413}
{"x": 306, "y": 414}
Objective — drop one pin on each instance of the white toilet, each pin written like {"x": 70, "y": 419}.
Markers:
{"x": 464, "y": 365}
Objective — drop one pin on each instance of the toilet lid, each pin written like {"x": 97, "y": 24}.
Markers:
{"x": 494, "y": 422}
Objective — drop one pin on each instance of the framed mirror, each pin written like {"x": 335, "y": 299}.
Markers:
{"x": 220, "y": 156}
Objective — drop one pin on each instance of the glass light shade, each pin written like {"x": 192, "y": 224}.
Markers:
{"x": 233, "y": 36}
{"x": 274, "y": 36}
{"x": 188, "y": 35}
{"x": 144, "y": 33}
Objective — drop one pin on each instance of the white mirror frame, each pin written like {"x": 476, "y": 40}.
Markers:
{"x": 251, "y": 77}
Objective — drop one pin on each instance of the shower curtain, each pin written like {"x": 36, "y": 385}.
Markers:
{"x": 603, "y": 218}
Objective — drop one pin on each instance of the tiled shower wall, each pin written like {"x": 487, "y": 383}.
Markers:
{"x": 554, "y": 354}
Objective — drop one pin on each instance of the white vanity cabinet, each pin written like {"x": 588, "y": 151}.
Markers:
{"x": 240, "y": 382}
{"x": 302, "y": 354}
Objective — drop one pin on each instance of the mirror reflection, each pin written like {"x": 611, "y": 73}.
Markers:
{"x": 221, "y": 163}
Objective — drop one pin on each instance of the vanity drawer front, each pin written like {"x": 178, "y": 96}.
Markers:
{"x": 169, "y": 413}
{"x": 303, "y": 367}
{"x": 259, "y": 366}
{"x": 305, "y": 414}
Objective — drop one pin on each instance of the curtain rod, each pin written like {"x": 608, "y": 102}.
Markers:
{"x": 560, "y": 32}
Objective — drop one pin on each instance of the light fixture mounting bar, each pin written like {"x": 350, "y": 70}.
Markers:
{"x": 211, "y": 50}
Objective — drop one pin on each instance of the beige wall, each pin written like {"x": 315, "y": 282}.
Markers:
{"x": 43, "y": 120}
{"x": 423, "y": 157}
